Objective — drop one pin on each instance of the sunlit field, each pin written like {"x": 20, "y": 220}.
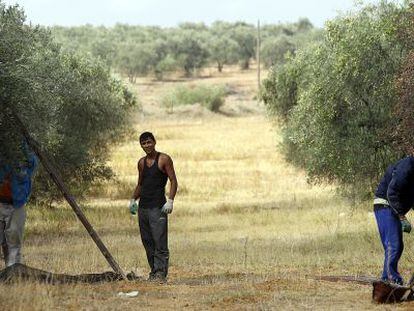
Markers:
{"x": 247, "y": 230}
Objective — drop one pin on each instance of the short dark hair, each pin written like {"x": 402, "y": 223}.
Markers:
{"x": 144, "y": 136}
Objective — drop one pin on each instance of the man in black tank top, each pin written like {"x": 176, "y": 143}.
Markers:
{"x": 153, "y": 171}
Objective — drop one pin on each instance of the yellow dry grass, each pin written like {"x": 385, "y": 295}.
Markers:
{"x": 247, "y": 231}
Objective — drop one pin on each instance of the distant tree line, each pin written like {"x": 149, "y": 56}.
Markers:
{"x": 140, "y": 50}
{"x": 69, "y": 103}
{"x": 346, "y": 102}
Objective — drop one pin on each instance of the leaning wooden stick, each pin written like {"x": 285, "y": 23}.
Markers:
{"x": 69, "y": 198}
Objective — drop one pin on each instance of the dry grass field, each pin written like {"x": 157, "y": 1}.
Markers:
{"x": 247, "y": 231}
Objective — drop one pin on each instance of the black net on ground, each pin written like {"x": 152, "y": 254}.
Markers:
{"x": 384, "y": 292}
{"x": 20, "y": 272}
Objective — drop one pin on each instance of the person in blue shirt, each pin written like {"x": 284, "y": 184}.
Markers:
{"x": 393, "y": 199}
{"x": 15, "y": 189}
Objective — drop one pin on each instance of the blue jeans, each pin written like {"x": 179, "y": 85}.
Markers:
{"x": 389, "y": 227}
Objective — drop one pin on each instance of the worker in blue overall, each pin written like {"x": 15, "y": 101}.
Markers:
{"x": 15, "y": 189}
{"x": 393, "y": 199}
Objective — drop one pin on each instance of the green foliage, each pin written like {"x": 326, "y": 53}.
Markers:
{"x": 279, "y": 90}
{"x": 281, "y": 41}
{"x": 402, "y": 128}
{"x": 189, "y": 51}
{"x": 336, "y": 98}
{"x": 193, "y": 26}
{"x": 166, "y": 64}
{"x": 276, "y": 50}
{"x": 303, "y": 25}
{"x": 402, "y": 132}
{"x": 223, "y": 50}
{"x": 134, "y": 60}
{"x": 139, "y": 51}
{"x": 211, "y": 97}
{"x": 105, "y": 49}
{"x": 245, "y": 36}
{"x": 70, "y": 103}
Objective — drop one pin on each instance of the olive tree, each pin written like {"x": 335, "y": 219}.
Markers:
{"x": 337, "y": 98}
{"x": 69, "y": 103}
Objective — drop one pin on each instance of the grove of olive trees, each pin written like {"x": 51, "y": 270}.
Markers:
{"x": 141, "y": 50}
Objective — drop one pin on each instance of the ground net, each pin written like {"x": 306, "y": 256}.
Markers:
{"x": 20, "y": 272}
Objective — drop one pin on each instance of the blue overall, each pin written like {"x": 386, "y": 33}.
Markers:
{"x": 12, "y": 211}
{"x": 389, "y": 227}
{"x": 21, "y": 178}
{"x": 397, "y": 189}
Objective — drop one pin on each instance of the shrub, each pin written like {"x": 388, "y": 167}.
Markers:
{"x": 211, "y": 97}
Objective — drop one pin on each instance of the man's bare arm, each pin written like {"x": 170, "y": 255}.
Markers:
{"x": 137, "y": 192}
{"x": 169, "y": 170}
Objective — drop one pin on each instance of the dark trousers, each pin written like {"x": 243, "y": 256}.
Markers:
{"x": 153, "y": 226}
{"x": 389, "y": 227}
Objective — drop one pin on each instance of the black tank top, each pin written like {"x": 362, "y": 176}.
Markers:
{"x": 153, "y": 185}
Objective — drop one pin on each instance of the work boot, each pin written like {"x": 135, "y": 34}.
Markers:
{"x": 160, "y": 277}
{"x": 151, "y": 277}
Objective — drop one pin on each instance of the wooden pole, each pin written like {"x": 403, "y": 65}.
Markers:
{"x": 69, "y": 198}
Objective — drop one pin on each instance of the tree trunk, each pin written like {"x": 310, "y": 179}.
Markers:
{"x": 158, "y": 75}
{"x": 188, "y": 72}
{"x": 245, "y": 64}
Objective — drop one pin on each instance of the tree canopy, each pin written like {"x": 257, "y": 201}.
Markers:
{"x": 336, "y": 98}
{"x": 142, "y": 50}
{"x": 69, "y": 102}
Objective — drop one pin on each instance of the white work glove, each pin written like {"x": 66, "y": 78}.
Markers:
{"x": 133, "y": 206}
{"x": 168, "y": 207}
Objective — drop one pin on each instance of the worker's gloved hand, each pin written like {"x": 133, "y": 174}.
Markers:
{"x": 133, "y": 206}
{"x": 168, "y": 207}
{"x": 406, "y": 225}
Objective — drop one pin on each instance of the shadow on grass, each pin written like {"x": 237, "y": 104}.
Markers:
{"x": 296, "y": 204}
